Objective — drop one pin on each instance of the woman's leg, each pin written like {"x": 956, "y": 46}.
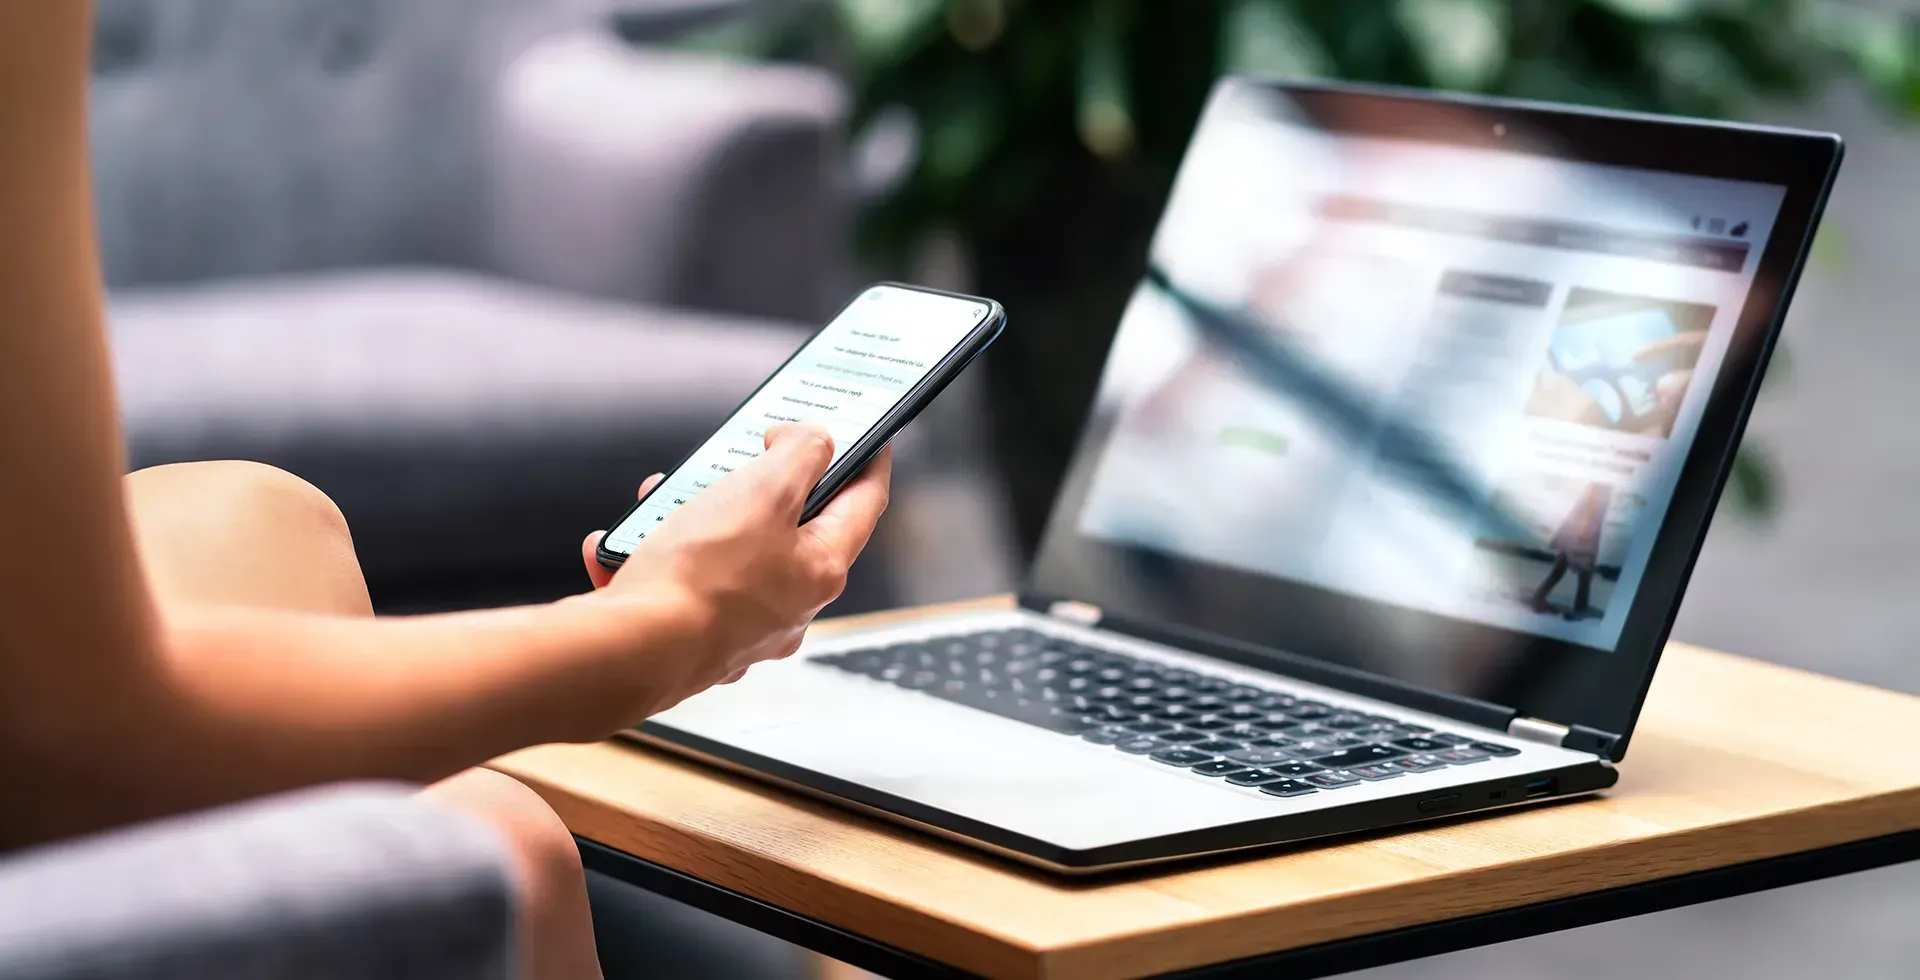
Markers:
{"x": 232, "y": 533}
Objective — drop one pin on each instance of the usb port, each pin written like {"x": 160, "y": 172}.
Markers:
{"x": 1542, "y": 787}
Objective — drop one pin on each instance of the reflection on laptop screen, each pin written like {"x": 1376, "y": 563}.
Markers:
{"x": 1456, "y": 380}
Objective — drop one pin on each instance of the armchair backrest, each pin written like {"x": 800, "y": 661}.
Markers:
{"x": 241, "y": 137}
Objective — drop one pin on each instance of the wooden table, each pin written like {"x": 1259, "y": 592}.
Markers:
{"x": 1742, "y": 776}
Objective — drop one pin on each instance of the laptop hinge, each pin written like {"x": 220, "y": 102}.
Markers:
{"x": 1082, "y": 613}
{"x": 1535, "y": 730}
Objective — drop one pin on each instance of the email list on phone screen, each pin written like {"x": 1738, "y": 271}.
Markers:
{"x": 846, "y": 378}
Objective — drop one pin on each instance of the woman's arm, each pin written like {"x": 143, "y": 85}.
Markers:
{"x": 113, "y": 709}
{"x": 76, "y": 625}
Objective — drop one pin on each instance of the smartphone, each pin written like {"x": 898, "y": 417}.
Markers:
{"x": 863, "y": 376}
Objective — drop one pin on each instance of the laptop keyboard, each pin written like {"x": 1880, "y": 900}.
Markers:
{"x": 1214, "y": 727}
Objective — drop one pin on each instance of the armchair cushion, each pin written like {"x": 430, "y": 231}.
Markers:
{"x": 466, "y": 425}
{"x": 671, "y": 178}
{"x": 359, "y": 882}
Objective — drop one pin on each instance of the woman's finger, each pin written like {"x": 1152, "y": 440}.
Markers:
{"x": 598, "y": 573}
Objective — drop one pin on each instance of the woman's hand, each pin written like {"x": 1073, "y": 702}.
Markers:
{"x": 739, "y": 564}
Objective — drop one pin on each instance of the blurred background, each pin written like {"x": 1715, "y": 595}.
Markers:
{"x": 476, "y": 267}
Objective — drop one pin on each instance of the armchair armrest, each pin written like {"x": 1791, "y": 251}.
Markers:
{"x": 353, "y": 882}
{"x": 670, "y": 178}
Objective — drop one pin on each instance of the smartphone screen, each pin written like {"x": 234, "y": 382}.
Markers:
{"x": 848, "y": 377}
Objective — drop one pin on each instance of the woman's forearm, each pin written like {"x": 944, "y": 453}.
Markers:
{"x": 248, "y": 701}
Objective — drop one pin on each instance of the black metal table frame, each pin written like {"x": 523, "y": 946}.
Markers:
{"x": 1326, "y": 959}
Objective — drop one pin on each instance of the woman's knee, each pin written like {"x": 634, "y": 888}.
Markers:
{"x": 245, "y": 533}
{"x": 535, "y": 833}
{"x": 555, "y": 918}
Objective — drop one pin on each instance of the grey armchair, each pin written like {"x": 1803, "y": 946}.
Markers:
{"x": 364, "y": 882}
{"x": 473, "y": 267}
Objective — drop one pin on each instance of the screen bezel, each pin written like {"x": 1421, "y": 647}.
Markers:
{"x": 874, "y": 439}
{"x": 1552, "y": 679}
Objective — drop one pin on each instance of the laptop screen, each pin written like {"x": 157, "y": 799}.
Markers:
{"x": 1453, "y": 377}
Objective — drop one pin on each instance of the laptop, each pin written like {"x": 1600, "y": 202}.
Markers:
{"x": 1401, "y": 457}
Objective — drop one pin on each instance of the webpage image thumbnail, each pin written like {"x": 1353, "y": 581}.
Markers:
{"x": 1616, "y": 371}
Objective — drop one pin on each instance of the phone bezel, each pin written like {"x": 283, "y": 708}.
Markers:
{"x": 875, "y": 439}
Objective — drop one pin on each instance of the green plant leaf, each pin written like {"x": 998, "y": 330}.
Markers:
{"x": 1753, "y": 487}
{"x": 1653, "y": 10}
{"x": 957, "y": 138}
{"x": 1700, "y": 72}
{"x": 1462, "y": 43}
{"x": 1264, "y": 37}
{"x": 1829, "y": 252}
{"x": 881, "y": 31}
{"x": 1101, "y": 115}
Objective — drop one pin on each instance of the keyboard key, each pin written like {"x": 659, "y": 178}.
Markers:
{"x": 1254, "y": 777}
{"x": 1461, "y": 757}
{"x": 1308, "y": 748}
{"x": 1243, "y": 693}
{"x": 1445, "y": 739}
{"x": 1344, "y": 720}
{"x": 1142, "y": 702}
{"x": 1175, "y": 712}
{"x": 1110, "y": 694}
{"x": 1309, "y": 710}
{"x": 1110, "y": 675}
{"x": 1364, "y": 755}
{"x": 1346, "y": 740}
{"x": 1287, "y": 787}
{"x": 1207, "y": 723}
{"x": 1419, "y": 763}
{"x": 1180, "y": 756}
{"x": 1333, "y": 780}
{"x": 1175, "y": 694}
{"x": 1218, "y": 767}
{"x": 1177, "y": 676}
{"x": 1275, "y": 702}
{"x": 1207, "y": 703}
{"x": 1140, "y": 745}
{"x": 1210, "y": 685}
{"x": 1295, "y": 768}
{"x": 1310, "y": 729}
{"x": 1184, "y": 736}
{"x": 1260, "y": 757}
{"x": 1107, "y": 735}
{"x": 1148, "y": 726}
{"x": 1141, "y": 685}
{"x": 1378, "y": 772}
{"x": 1492, "y": 748}
{"x": 1380, "y": 731}
{"x": 1217, "y": 746}
{"x": 1276, "y": 723}
{"x": 1241, "y": 711}
{"x": 1243, "y": 731}
{"x": 1419, "y": 744}
{"x": 1271, "y": 742}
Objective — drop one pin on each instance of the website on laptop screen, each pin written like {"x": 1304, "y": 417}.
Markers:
{"x": 1456, "y": 380}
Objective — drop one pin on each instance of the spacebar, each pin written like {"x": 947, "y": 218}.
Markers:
{"x": 1033, "y": 711}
